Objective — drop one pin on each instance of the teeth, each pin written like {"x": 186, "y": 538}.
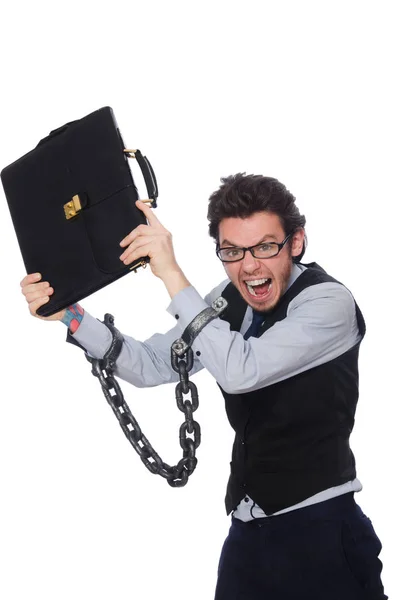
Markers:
{"x": 254, "y": 282}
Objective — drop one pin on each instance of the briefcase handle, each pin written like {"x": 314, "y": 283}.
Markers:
{"x": 148, "y": 174}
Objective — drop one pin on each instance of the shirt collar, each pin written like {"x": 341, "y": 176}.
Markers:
{"x": 295, "y": 272}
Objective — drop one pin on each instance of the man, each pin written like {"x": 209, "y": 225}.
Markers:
{"x": 285, "y": 357}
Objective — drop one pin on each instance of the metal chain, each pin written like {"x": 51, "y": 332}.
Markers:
{"x": 182, "y": 363}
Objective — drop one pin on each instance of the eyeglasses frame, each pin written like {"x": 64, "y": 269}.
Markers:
{"x": 250, "y": 248}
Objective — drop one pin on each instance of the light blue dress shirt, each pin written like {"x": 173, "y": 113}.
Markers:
{"x": 319, "y": 326}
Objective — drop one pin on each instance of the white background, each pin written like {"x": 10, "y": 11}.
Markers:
{"x": 302, "y": 91}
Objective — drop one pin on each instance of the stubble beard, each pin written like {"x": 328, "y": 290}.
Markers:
{"x": 282, "y": 283}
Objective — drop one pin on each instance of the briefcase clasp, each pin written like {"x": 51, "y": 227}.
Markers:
{"x": 72, "y": 208}
{"x": 142, "y": 263}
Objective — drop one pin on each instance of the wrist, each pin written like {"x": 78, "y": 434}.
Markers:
{"x": 72, "y": 317}
{"x": 175, "y": 281}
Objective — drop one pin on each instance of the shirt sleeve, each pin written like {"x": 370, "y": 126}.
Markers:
{"x": 147, "y": 363}
{"x": 320, "y": 325}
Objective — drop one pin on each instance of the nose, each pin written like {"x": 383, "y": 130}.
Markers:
{"x": 250, "y": 264}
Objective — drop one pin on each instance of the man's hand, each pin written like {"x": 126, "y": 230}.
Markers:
{"x": 151, "y": 240}
{"x": 155, "y": 241}
{"x": 38, "y": 293}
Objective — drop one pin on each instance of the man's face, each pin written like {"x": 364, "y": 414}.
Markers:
{"x": 249, "y": 274}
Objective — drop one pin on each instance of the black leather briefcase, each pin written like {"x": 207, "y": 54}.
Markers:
{"x": 72, "y": 201}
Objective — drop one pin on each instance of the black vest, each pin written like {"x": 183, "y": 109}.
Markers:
{"x": 292, "y": 437}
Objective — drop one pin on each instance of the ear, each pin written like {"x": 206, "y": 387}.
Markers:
{"x": 297, "y": 242}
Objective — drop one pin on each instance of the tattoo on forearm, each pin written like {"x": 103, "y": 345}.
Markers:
{"x": 73, "y": 317}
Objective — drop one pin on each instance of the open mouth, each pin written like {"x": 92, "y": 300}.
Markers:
{"x": 259, "y": 288}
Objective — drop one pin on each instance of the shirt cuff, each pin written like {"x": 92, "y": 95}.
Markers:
{"x": 91, "y": 335}
{"x": 186, "y": 305}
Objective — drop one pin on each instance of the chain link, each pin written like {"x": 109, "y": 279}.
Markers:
{"x": 189, "y": 431}
{"x": 182, "y": 362}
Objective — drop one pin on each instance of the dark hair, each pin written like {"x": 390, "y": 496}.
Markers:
{"x": 242, "y": 195}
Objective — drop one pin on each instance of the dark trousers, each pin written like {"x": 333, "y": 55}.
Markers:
{"x": 327, "y": 551}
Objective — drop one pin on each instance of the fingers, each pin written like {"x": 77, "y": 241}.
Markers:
{"x": 153, "y": 227}
{"x": 136, "y": 243}
{"x": 145, "y": 231}
{"x": 31, "y": 278}
{"x": 140, "y": 230}
{"x": 34, "y": 306}
{"x": 35, "y": 291}
{"x": 40, "y": 293}
{"x": 136, "y": 250}
{"x": 147, "y": 211}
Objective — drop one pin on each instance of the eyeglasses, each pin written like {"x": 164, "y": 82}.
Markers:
{"x": 263, "y": 250}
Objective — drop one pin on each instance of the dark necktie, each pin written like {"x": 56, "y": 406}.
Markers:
{"x": 253, "y": 329}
